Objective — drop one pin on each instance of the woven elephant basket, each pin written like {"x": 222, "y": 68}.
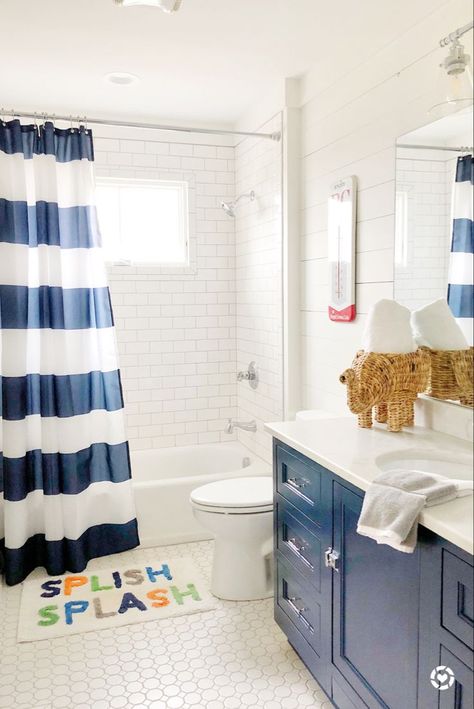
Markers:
{"x": 451, "y": 375}
{"x": 387, "y": 383}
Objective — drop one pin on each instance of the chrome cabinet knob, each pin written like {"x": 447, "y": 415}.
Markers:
{"x": 331, "y": 557}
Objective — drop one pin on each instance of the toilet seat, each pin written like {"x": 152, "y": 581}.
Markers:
{"x": 249, "y": 495}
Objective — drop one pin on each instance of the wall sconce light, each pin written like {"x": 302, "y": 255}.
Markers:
{"x": 455, "y": 84}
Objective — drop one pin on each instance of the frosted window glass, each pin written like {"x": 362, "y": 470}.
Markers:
{"x": 143, "y": 221}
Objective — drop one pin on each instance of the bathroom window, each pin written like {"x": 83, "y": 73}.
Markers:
{"x": 143, "y": 221}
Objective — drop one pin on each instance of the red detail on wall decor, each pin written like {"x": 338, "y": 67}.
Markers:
{"x": 342, "y": 222}
{"x": 346, "y": 315}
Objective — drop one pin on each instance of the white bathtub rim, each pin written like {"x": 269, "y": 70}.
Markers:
{"x": 253, "y": 470}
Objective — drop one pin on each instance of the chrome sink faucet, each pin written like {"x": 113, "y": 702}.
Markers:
{"x": 244, "y": 425}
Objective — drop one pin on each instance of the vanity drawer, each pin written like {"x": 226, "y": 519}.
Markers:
{"x": 297, "y": 601}
{"x": 458, "y": 598}
{"x": 297, "y": 543}
{"x": 299, "y": 481}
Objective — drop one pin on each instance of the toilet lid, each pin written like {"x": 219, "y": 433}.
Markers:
{"x": 236, "y": 493}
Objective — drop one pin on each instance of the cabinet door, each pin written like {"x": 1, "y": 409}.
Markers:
{"x": 375, "y": 616}
{"x": 446, "y": 623}
{"x": 461, "y": 694}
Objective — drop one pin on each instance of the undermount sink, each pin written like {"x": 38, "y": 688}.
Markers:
{"x": 427, "y": 463}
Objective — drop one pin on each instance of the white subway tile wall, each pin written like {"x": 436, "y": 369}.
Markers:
{"x": 427, "y": 182}
{"x": 184, "y": 333}
{"x": 258, "y": 225}
{"x": 176, "y": 328}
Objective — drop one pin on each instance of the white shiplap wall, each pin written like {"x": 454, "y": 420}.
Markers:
{"x": 350, "y": 126}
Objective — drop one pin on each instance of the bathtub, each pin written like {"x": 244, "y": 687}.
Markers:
{"x": 164, "y": 478}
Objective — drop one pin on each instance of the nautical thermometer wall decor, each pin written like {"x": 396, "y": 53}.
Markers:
{"x": 341, "y": 249}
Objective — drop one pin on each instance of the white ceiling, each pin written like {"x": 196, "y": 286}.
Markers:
{"x": 206, "y": 64}
{"x": 453, "y": 130}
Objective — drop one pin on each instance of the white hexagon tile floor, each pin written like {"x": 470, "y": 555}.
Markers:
{"x": 231, "y": 657}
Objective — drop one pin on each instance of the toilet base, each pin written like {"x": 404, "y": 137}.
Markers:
{"x": 240, "y": 573}
{"x": 242, "y": 568}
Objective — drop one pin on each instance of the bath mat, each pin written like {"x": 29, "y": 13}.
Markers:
{"x": 56, "y": 606}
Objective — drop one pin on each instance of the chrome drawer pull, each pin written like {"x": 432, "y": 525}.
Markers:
{"x": 297, "y": 483}
{"x": 330, "y": 559}
{"x": 293, "y": 541}
{"x": 299, "y": 612}
{"x": 297, "y": 550}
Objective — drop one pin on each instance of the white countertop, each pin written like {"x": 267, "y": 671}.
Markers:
{"x": 355, "y": 454}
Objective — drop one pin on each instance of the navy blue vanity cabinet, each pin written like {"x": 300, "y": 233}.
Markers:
{"x": 370, "y": 623}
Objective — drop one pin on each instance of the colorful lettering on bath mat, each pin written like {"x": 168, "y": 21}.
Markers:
{"x": 110, "y": 597}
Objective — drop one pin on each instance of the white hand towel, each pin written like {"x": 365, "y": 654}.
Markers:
{"x": 394, "y": 500}
{"x": 388, "y": 329}
{"x": 435, "y": 326}
{"x": 390, "y": 515}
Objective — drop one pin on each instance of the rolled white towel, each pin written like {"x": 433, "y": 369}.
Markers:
{"x": 435, "y": 326}
{"x": 388, "y": 329}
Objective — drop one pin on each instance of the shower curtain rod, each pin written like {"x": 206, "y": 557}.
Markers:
{"x": 128, "y": 124}
{"x": 465, "y": 149}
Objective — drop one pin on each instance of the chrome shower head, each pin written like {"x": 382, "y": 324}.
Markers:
{"x": 229, "y": 207}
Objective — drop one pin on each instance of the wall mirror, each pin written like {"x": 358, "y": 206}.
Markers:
{"x": 434, "y": 228}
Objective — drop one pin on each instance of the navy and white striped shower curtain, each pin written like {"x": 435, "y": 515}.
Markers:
{"x": 461, "y": 265}
{"x": 65, "y": 488}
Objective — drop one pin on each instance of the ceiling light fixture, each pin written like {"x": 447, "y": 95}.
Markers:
{"x": 121, "y": 78}
{"x": 165, "y": 5}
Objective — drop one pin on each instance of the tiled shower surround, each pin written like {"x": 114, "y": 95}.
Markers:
{"x": 258, "y": 229}
{"x": 427, "y": 182}
{"x": 176, "y": 329}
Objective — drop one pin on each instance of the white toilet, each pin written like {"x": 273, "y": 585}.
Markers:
{"x": 239, "y": 512}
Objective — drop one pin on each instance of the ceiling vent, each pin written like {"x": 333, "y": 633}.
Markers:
{"x": 165, "y": 5}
